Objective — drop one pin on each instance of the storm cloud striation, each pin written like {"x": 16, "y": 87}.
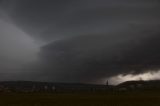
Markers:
{"x": 86, "y": 40}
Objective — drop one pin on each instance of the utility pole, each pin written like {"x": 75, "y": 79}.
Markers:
{"x": 107, "y": 83}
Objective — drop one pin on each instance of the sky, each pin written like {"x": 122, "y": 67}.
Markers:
{"x": 86, "y": 41}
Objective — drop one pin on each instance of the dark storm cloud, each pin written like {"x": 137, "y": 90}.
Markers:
{"x": 86, "y": 40}
{"x": 92, "y": 57}
{"x": 56, "y": 19}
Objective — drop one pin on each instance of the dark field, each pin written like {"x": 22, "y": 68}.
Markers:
{"x": 147, "y": 98}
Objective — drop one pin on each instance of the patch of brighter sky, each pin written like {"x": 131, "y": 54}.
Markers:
{"x": 150, "y": 75}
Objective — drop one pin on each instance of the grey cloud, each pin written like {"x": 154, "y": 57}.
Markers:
{"x": 57, "y": 19}
{"x": 16, "y": 49}
{"x": 86, "y": 40}
{"x": 92, "y": 57}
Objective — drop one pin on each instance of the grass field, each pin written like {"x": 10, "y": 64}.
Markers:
{"x": 148, "y": 98}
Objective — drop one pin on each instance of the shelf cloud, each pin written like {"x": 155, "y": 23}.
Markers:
{"x": 79, "y": 40}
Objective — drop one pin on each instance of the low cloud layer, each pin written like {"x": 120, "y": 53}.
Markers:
{"x": 151, "y": 75}
{"x": 86, "y": 40}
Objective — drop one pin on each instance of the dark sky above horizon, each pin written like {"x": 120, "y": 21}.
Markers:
{"x": 78, "y": 40}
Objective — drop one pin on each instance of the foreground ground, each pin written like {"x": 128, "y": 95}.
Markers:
{"x": 147, "y": 98}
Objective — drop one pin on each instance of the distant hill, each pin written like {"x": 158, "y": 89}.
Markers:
{"x": 147, "y": 85}
{"x": 31, "y": 86}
